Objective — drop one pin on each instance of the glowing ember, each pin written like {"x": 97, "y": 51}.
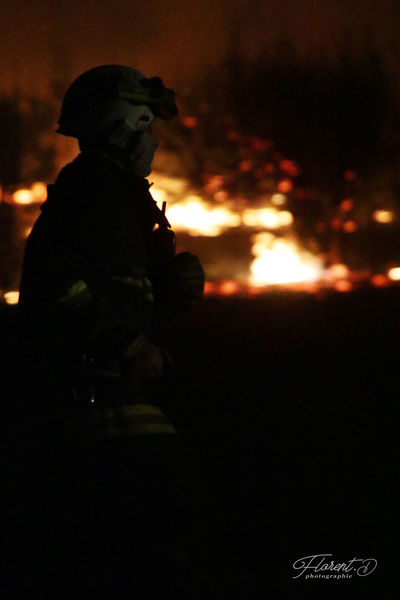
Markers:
{"x": 227, "y": 288}
{"x": 189, "y": 122}
{"x": 289, "y": 167}
{"x": 198, "y": 218}
{"x": 383, "y": 216}
{"x": 347, "y": 205}
{"x": 245, "y": 165}
{"x": 337, "y": 271}
{"x": 213, "y": 184}
{"x": 11, "y": 297}
{"x": 379, "y": 280}
{"x": 23, "y": 196}
{"x": 343, "y": 286}
{"x": 279, "y": 261}
{"x": 349, "y": 226}
{"x": 394, "y": 274}
{"x": 285, "y": 185}
{"x": 209, "y": 288}
{"x": 220, "y": 196}
{"x": 350, "y": 175}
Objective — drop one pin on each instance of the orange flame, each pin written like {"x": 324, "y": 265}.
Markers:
{"x": 280, "y": 261}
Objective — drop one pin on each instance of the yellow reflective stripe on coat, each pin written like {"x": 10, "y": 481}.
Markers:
{"x": 77, "y": 294}
{"x": 140, "y": 282}
{"x": 130, "y": 421}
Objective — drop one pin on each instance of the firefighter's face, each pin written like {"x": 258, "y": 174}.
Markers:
{"x": 128, "y": 127}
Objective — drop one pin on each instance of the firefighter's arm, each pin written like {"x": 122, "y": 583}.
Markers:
{"x": 111, "y": 336}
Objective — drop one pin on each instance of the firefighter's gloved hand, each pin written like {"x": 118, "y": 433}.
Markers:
{"x": 190, "y": 276}
{"x": 144, "y": 361}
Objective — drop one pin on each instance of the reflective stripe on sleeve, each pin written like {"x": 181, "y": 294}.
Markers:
{"x": 77, "y": 294}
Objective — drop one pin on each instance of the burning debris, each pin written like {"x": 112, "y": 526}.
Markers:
{"x": 279, "y": 261}
{"x": 262, "y": 204}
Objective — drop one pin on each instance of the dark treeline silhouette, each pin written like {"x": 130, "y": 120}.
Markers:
{"x": 27, "y": 142}
{"x": 329, "y": 114}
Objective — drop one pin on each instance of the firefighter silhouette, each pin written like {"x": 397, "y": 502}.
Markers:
{"x": 100, "y": 278}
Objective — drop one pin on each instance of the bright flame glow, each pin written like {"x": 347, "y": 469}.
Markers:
{"x": 159, "y": 195}
{"x": 279, "y": 261}
{"x": 11, "y": 297}
{"x": 172, "y": 185}
{"x": 278, "y": 199}
{"x": 286, "y": 217}
{"x": 271, "y": 218}
{"x": 394, "y": 274}
{"x": 23, "y": 196}
{"x": 39, "y": 191}
{"x": 383, "y": 216}
{"x": 337, "y": 271}
{"x": 195, "y": 216}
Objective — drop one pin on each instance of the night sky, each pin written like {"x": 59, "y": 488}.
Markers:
{"x": 173, "y": 38}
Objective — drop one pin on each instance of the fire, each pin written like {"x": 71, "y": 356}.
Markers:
{"x": 36, "y": 194}
{"x": 379, "y": 280}
{"x": 285, "y": 185}
{"x": 383, "y": 216}
{"x": 337, "y": 271}
{"x": 211, "y": 210}
{"x": 270, "y": 218}
{"x": 23, "y": 196}
{"x": 343, "y": 286}
{"x": 278, "y": 199}
{"x": 11, "y": 297}
{"x": 350, "y": 226}
{"x": 228, "y": 288}
{"x": 280, "y": 261}
{"x": 198, "y": 218}
{"x": 170, "y": 185}
{"x": 394, "y": 274}
{"x": 39, "y": 191}
{"x": 347, "y": 205}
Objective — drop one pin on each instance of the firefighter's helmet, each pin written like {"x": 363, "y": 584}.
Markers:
{"x": 93, "y": 91}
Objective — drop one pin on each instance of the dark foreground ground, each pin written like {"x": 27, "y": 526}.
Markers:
{"x": 287, "y": 405}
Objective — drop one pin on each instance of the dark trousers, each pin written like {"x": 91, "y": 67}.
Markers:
{"x": 114, "y": 519}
